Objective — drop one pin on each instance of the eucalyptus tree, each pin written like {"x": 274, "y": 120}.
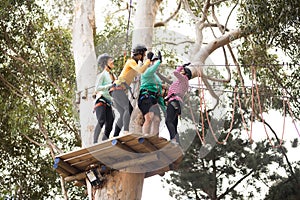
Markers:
{"x": 38, "y": 110}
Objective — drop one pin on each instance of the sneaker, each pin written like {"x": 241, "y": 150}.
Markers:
{"x": 173, "y": 141}
{"x": 125, "y": 132}
{"x": 104, "y": 138}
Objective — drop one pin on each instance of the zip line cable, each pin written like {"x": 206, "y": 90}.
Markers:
{"x": 254, "y": 93}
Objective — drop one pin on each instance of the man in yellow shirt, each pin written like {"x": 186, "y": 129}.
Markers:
{"x": 118, "y": 91}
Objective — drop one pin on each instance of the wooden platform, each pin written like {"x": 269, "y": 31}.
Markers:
{"x": 131, "y": 153}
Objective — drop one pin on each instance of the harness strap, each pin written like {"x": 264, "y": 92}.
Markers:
{"x": 119, "y": 87}
{"x": 99, "y": 104}
{"x": 115, "y": 87}
{"x": 129, "y": 88}
{"x": 168, "y": 97}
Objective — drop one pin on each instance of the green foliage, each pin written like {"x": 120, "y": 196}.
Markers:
{"x": 272, "y": 25}
{"x": 113, "y": 39}
{"x": 36, "y": 99}
{"x": 273, "y": 22}
{"x": 286, "y": 188}
{"x": 212, "y": 176}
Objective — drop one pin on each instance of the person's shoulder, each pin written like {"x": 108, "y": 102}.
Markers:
{"x": 130, "y": 61}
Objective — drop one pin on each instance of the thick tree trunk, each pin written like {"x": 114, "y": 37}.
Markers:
{"x": 85, "y": 65}
{"x": 121, "y": 186}
{"x": 142, "y": 34}
{"x": 118, "y": 185}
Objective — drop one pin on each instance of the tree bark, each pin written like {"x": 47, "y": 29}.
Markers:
{"x": 142, "y": 34}
{"x": 117, "y": 185}
{"x": 85, "y": 65}
{"x": 121, "y": 186}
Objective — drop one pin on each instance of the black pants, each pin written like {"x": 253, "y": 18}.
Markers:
{"x": 124, "y": 107}
{"x": 105, "y": 117}
{"x": 147, "y": 103}
{"x": 173, "y": 111}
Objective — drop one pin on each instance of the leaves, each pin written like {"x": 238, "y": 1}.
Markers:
{"x": 37, "y": 100}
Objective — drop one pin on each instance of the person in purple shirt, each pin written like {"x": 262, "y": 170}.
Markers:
{"x": 175, "y": 96}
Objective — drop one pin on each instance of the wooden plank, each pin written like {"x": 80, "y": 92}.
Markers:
{"x": 85, "y": 150}
{"x": 58, "y": 162}
{"x": 132, "y": 152}
{"x": 75, "y": 177}
{"x": 116, "y": 151}
{"x": 62, "y": 172}
{"x": 88, "y": 154}
{"x": 149, "y": 147}
{"x": 122, "y": 145}
{"x": 160, "y": 172}
{"x": 136, "y": 161}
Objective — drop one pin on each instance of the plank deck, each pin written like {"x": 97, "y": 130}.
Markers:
{"x": 131, "y": 153}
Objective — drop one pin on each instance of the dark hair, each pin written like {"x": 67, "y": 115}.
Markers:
{"x": 139, "y": 49}
{"x": 188, "y": 72}
{"x": 102, "y": 60}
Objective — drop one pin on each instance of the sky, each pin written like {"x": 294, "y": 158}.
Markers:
{"x": 153, "y": 186}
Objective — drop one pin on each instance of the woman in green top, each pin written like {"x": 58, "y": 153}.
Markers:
{"x": 150, "y": 97}
{"x": 103, "y": 109}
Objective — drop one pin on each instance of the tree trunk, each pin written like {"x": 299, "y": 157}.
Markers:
{"x": 121, "y": 186}
{"x": 118, "y": 185}
{"x": 85, "y": 65}
{"x": 142, "y": 34}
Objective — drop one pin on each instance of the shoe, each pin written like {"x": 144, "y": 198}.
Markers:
{"x": 125, "y": 132}
{"x": 174, "y": 141}
{"x": 104, "y": 138}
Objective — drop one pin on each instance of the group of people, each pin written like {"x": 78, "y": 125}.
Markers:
{"x": 111, "y": 90}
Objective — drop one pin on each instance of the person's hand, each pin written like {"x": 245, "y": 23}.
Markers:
{"x": 159, "y": 56}
{"x": 150, "y": 55}
{"x": 94, "y": 94}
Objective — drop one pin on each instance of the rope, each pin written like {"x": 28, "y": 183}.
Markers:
{"x": 195, "y": 124}
{"x": 293, "y": 118}
{"x": 231, "y": 124}
{"x": 242, "y": 115}
{"x": 252, "y": 104}
{"x": 202, "y": 102}
{"x": 261, "y": 113}
{"x": 127, "y": 31}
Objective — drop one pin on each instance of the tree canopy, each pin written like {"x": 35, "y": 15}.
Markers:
{"x": 38, "y": 110}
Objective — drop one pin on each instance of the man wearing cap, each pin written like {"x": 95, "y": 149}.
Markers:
{"x": 119, "y": 89}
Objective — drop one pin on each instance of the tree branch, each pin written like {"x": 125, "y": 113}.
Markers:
{"x": 163, "y": 78}
{"x": 230, "y": 15}
{"x": 163, "y": 23}
{"x": 33, "y": 141}
{"x": 225, "y": 39}
{"x": 228, "y": 190}
{"x": 282, "y": 150}
{"x": 187, "y": 8}
{"x": 218, "y": 2}
{"x": 12, "y": 88}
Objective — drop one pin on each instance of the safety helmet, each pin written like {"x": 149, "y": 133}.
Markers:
{"x": 102, "y": 60}
{"x": 188, "y": 72}
{"x": 139, "y": 49}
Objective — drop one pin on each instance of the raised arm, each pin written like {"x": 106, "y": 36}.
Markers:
{"x": 152, "y": 69}
{"x": 139, "y": 69}
{"x": 179, "y": 76}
